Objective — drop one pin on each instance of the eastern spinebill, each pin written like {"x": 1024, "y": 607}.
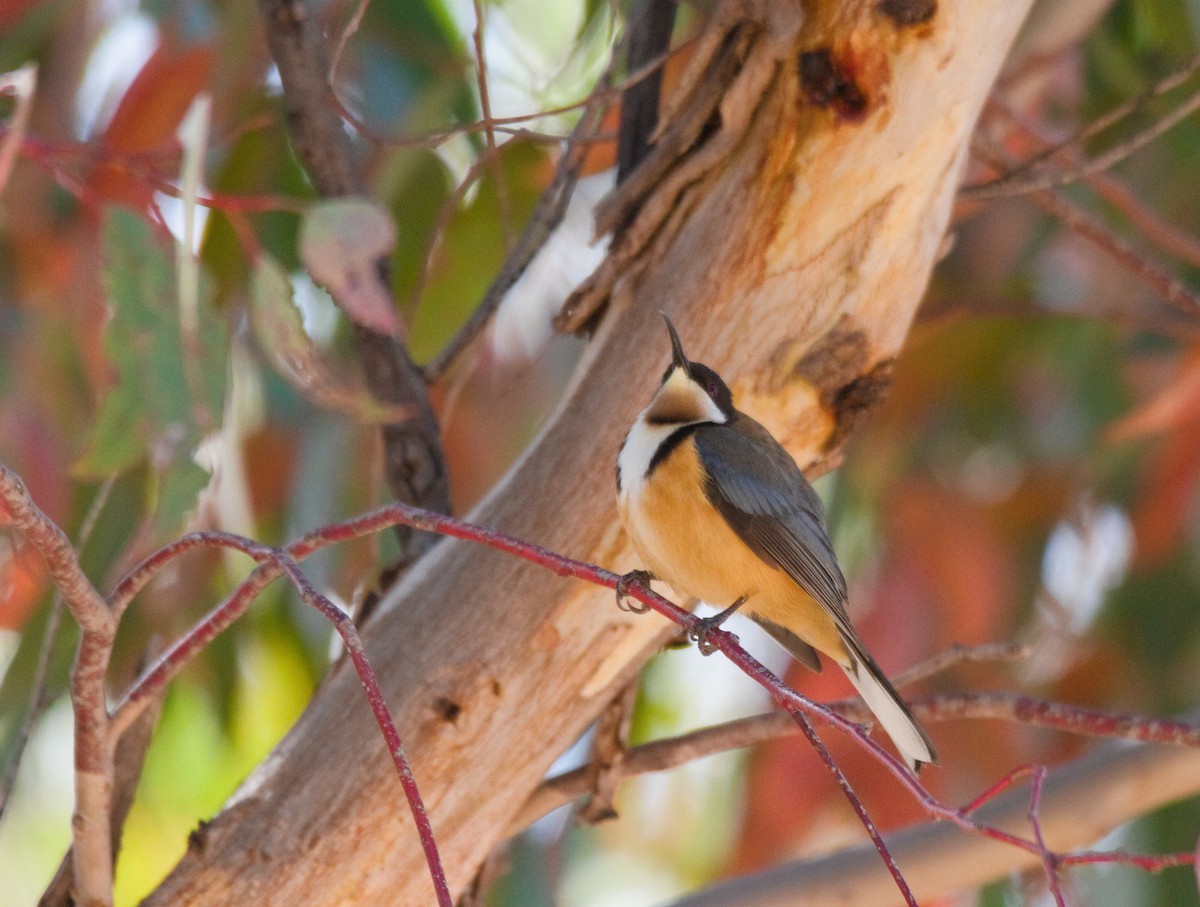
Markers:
{"x": 716, "y": 507}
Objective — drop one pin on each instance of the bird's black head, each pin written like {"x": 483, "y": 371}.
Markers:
{"x": 690, "y": 391}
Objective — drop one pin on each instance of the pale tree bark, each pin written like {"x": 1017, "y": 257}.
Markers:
{"x": 791, "y": 244}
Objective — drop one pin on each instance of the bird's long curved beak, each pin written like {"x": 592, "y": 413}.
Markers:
{"x": 677, "y": 355}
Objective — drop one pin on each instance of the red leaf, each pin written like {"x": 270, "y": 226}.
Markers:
{"x": 147, "y": 116}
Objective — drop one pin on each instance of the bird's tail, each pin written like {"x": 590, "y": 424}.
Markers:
{"x": 885, "y": 703}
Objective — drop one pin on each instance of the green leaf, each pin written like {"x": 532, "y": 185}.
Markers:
{"x": 280, "y": 332}
{"x": 259, "y": 163}
{"x": 473, "y": 247}
{"x": 165, "y": 391}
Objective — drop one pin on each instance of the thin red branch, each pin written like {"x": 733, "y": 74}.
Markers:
{"x": 1072, "y": 719}
{"x": 861, "y": 811}
{"x": 349, "y": 634}
{"x": 1049, "y": 861}
{"x": 173, "y": 660}
{"x": 1151, "y": 863}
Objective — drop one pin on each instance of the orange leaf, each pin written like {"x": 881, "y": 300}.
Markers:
{"x": 22, "y": 582}
{"x": 149, "y": 113}
{"x": 1175, "y": 404}
{"x": 1166, "y": 497}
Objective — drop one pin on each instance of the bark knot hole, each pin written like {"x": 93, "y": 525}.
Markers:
{"x": 827, "y": 83}
{"x": 447, "y": 709}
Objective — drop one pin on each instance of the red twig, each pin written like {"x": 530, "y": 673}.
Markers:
{"x": 860, "y": 810}
{"x": 1072, "y": 719}
{"x": 349, "y": 633}
{"x": 168, "y": 665}
{"x": 1049, "y": 861}
{"x": 1148, "y": 863}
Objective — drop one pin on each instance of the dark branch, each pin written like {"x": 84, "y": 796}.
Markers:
{"x": 413, "y": 458}
{"x": 650, "y": 27}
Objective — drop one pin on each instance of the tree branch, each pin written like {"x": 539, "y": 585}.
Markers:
{"x": 413, "y": 458}
{"x": 92, "y": 843}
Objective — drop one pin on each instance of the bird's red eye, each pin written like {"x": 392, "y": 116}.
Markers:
{"x": 712, "y": 388}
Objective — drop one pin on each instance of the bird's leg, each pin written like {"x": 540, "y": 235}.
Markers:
{"x": 705, "y": 625}
{"x": 633, "y": 578}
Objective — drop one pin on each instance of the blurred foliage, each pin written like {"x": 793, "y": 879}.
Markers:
{"x": 1046, "y": 396}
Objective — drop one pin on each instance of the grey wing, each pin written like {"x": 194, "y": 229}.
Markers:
{"x": 763, "y": 496}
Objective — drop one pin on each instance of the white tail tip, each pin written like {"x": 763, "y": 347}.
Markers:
{"x": 883, "y": 701}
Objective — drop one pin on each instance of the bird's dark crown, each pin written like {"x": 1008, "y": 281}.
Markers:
{"x": 709, "y": 381}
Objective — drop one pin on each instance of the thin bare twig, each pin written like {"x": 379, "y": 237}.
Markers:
{"x": 1078, "y": 219}
{"x": 856, "y": 804}
{"x": 996, "y": 652}
{"x": 1049, "y": 862}
{"x": 1033, "y": 175}
{"x": 1148, "y": 223}
{"x": 607, "y": 95}
{"x": 489, "y": 129}
{"x": 545, "y": 219}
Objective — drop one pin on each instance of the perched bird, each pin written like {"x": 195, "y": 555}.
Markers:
{"x": 716, "y": 507}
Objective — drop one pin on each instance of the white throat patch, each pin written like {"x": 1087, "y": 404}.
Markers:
{"x": 678, "y": 394}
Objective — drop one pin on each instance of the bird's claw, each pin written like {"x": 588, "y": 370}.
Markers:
{"x": 705, "y": 625}
{"x": 700, "y": 630}
{"x": 633, "y": 578}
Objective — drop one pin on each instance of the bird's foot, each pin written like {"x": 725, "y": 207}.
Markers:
{"x": 705, "y": 625}
{"x": 633, "y": 578}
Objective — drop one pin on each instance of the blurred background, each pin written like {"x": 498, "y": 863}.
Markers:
{"x": 1033, "y": 476}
